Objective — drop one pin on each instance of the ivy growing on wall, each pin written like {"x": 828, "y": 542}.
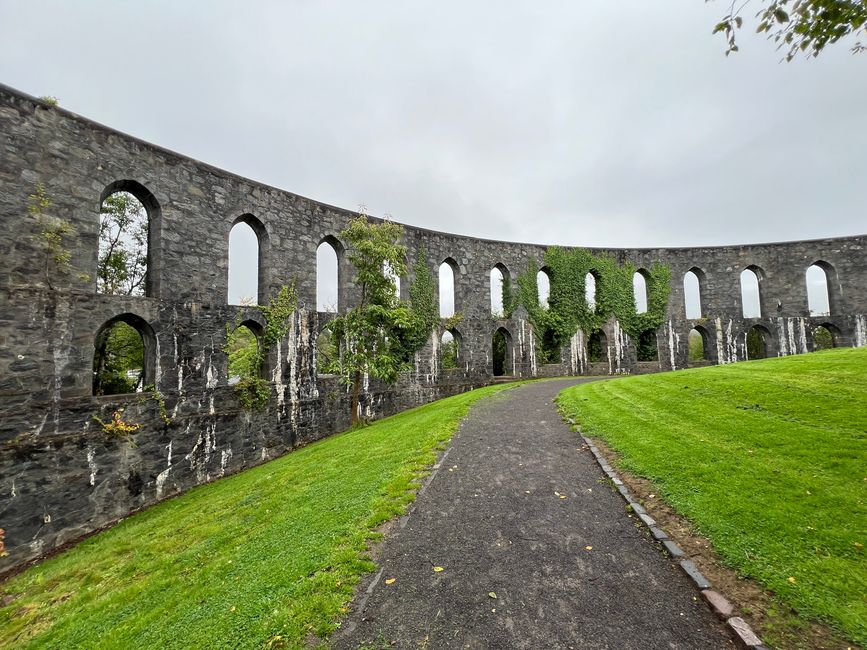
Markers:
{"x": 422, "y": 298}
{"x": 246, "y": 354}
{"x": 568, "y": 310}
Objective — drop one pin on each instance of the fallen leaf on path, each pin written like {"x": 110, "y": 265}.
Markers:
{"x": 588, "y": 548}
{"x": 390, "y": 581}
{"x": 562, "y": 496}
{"x": 438, "y": 569}
{"x": 493, "y": 594}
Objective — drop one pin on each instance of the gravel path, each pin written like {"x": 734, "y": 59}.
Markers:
{"x": 574, "y": 572}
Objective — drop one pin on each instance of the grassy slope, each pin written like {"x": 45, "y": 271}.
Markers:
{"x": 767, "y": 458}
{"x": 271, "y": 554}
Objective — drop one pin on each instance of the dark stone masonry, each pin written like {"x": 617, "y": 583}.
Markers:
{"x": 61, "y": 477}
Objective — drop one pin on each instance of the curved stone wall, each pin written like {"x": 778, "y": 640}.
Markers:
{"x": 61, "y": 478}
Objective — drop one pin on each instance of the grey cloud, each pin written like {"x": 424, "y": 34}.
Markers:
{"x": 595, "y": 123}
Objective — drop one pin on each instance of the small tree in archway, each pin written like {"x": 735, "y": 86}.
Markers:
{"x": 123, "y": 246}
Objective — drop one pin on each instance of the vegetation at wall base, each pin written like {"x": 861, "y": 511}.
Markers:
{"x": 765, "y": 458}
{"x": 264, "y": 558}
{"x": 246, "y": 353}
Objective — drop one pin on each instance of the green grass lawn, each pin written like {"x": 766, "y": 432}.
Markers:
{"x": 263, "y": 558}
{"x": 768, "y": 459}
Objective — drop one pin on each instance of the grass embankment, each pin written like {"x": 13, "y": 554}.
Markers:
{"x": 266, "y": 557}
{"x": 766, "y": 458}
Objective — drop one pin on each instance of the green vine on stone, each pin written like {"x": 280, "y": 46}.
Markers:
{"x": 153, "y": 393}
{"x": 247, "y": 354}
{"x": 423, "y": 301}
{"x": 452, "y": 321}
{"x": 53, "y": 237}
{"x": 568, "y": 311}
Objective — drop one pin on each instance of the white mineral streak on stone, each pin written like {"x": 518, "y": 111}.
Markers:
{"x": 365, "y": 389}
{"x": 164, "y": 475}
{"x": 91, "y": 464}
{"x": 211, "y": 374}
{"x": 36, "y": 546}
{"x": 434, "y": 358}
{"x": 802, "y": 335}
{"x": 793, "y": 342}
{"x": 42, "y": 425}
{"x": 277, "y": 378}
{"x": 205, "y": 444}
{"x": 62, "y": 345}
{"x": 225, "y": 456}
{"x": 621, "y": 344}
{"x": 514, "y": 368}
{"x": 720, "y": 348}
{"x": 158, "y": 371}
{"x": 178, "y": 363}
{"x": 296, "y": 331}
{"x": 13, "y": 493}
{"x": 732, "y": 342}
{"x": 211, "y": 409}
{"x": 534, "y": 371}
{"x": 577, "y": 353}
{"x": 782, "y": 337}
{"x": 672, "y": 346}
{"x": 860, "y": 331}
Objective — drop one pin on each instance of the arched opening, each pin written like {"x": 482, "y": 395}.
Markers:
{"x": 597, "y": 347}
{"x": 124, "y": 266}
{"x": 245, "y": 261}
{"x": 751, "y": 297}
{"x": 327, "y": 353}
{"x": 590, "y": 291}
{"x": 498, "y": 280}
{"x": 639, "y": 290}
{"x": 647, "y": 348}
{"x": 818, "y": 297}
{"x": 825, "y": 337}
{"x": 543, "y": 285}
{"x": 698, "y": 344}
{"x": 122, "y": 356}
{"x": 447, "y": 288}
{"x": 692, "y": 286}
{"x": 328, "y": 297}
{"x": 501, "y": 353}
{"x": 242, "y": 349}
{"x": 450, "y": 350}
{"x": 757, "y": 342}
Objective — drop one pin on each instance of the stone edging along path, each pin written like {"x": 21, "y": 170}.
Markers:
{"x": 717, "y": 602}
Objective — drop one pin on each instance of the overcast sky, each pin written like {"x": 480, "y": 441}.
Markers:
{"x": 596, "y": 123}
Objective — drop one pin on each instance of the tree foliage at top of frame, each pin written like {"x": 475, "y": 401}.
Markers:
{"x": 800, "y": 26}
